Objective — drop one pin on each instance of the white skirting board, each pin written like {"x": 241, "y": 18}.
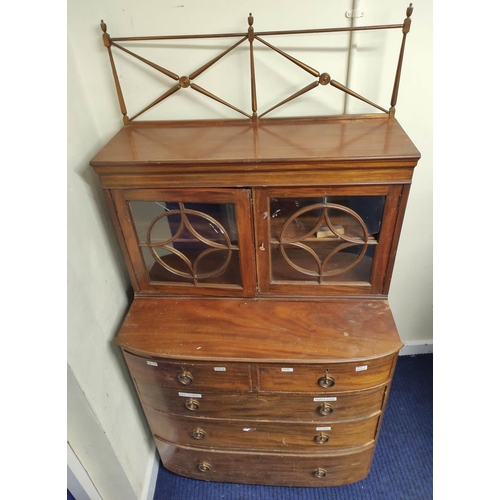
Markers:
{"x": 79, "y": 483}
{"x": 150, "y": 483}
{"x": 416, "y": 347}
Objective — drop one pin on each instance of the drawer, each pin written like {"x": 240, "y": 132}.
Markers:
{"x": 262, "y": 435}
{"x": 304, "y": 469}
{"x": 264, "y": 406}
{"x": 190, "y": 376}
{"x": 332, "y": 377}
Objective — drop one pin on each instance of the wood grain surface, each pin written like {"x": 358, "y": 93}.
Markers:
{"x": 289, "y": 407}
{"x": 267, "y": 468}
{"x": 274, "y": 331}
{"x": 263, "y": 435}
{"x": 344, "y": 138}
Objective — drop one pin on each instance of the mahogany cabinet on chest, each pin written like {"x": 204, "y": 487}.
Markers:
{"x": 260, "y": 340}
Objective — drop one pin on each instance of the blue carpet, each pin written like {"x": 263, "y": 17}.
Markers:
{"x": 402, "y": 468}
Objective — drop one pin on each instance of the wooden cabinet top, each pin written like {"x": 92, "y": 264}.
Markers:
{"x": 301, "y": 331}
{"x": 362, "y": 138}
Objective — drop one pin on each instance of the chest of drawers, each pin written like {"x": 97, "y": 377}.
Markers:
{"x": 247, "y": 410}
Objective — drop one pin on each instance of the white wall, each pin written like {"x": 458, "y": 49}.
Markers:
{"x": 97, "y": 281}
{"x": 97, "y": 300}
{"x": 412, "y": 286}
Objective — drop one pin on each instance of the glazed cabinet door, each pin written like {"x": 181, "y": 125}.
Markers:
{"x": 188, "y": 241}
{"x": 336, "y": 240}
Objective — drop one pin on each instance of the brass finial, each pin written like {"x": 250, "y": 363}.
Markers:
{"x": 407, "y": 21}
{"x": 105, "y": 34}
{"x": 251, "y": 35}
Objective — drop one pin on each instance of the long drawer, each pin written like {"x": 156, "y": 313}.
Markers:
{"x": 247, "y": 406}
{"x": 195, "y": 376}
{"x": 292, "y": 469}
{"x": 262, "y": 435}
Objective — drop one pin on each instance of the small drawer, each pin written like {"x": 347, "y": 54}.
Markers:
{"x": 332, "y": 377}
{"x": 262, "y": 435}
{"x": 189, "y": 376}
{"x": 277, "y": 469}
{"x": 327, "y": 407}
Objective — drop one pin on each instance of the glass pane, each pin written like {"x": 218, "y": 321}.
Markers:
{"x": 188, "y": 242}
{"x": 324, "y": 239}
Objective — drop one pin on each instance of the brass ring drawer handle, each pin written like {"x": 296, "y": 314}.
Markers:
{"x": 185, "y": 378}
{"x": 198, "y": 434}
{"x": 326, "y": 382}
{"x": 192, "y": 404}
{"x": 325, "y": 409}
{"x": 320, "y": 473}
{"x": 322, "y": 438}
{"x": 205, "y": 467}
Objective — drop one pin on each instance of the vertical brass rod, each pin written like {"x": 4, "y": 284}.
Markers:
{"x": 251, "y": 37}
{"x": 406, "y": 29}
{"x": 123, "y": 108}
{"x": 252, "y": 78}
{"x": 107, "y": 44}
